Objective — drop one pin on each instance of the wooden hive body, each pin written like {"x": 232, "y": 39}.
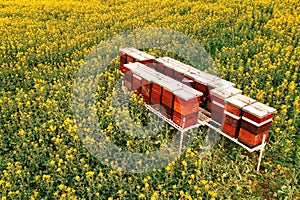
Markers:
{"x": 233, "y": 113}
{"x": 177, "y": 101}
{"x": 256, "y": 121}
{"x": 218, "y": 96}
{"x": 128, "y": 55}
{"x": 220, "y": 85}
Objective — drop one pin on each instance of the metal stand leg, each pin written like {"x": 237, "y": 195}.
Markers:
{"x": 181, "y": 137}
{"x": 261, "y": 152}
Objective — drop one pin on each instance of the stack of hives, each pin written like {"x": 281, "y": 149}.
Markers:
{"x": 169, "y": 84}
{"x": 173, "y": 99}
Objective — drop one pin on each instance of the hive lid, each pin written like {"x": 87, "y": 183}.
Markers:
{"x": 225, "y": 93}
{"x": 177, "y": 63}
{"x": 137, "y": 54}
{"x": 130, "y": 66}
{"x": 201, "y": 77}
{"x": 143, "y": 74}
{"x": 174, "y": 64}
{"x": 259, "y": 110}
{"x": 170, "y": 84}
{"x": 187, "y": 93}
{"x": 221, "y": 84}
{"x": 240, "y": 100}
{"x": 183, "y": 94}
{"x": 194, "y": 92}
{"x": 165, "y": 61}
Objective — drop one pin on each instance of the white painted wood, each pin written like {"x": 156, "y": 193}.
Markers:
{"x": 240, "y": 101}
{"x": 137, "y": 54}
{"x": 259, "y": 110}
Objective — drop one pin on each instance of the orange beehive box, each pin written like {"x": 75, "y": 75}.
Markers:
{"x": 230, "y": 124}
{"x": 219, "y": 84}
{"x": 169, "y": 87}
{"x": 250, "y": 139}
{"x": 233, "y": 109}
{"x": 174, "y": 99}
{"x": 128, "y": 55}
{"x": 185, "y": 120}
{"x": 218, "y": 96}
{"x": 201, "y": 80}
{"x": 259, "y": 112}
{"x": 256, "y": 121}
{"x": 136, "y": 83}
{"x": 185, "y": 103}
{"x": 235, "y": 104}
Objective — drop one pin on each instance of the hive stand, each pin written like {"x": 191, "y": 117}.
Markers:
{"x": 203, "y": 120}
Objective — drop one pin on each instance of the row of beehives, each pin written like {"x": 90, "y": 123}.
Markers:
{"x": 173, "y": 99}
{"x": 239, "y": 116}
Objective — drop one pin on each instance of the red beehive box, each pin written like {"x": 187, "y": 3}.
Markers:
{"x": 218, "y": 96}
{"x": 179, "y": 70}
{"x": 170, "y": 86}
{"x": 233, "y": 111}
{"x": 256, "y": 122}
{"x": 259, "y": 112}
{"x": 123, "y": 59}
{"x": 145, "y": 87}
{"x": 128, "y": 76}
{"x": 186, "y": 106}
{"x": 169, "y": 69}
{"x": 235, "y": 104}
{"x": 230, "y": 124}
{"x": 165, "y": 66}
{"x": 136, "y": 83}
{"x": 185, "y": 121}
{"x": 128, "y": 55}
{"x": 219, "y": 84}
{"x": 201, "y": 81}
{"x": 159, "y": 67}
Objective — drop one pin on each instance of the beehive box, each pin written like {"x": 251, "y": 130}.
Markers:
{"x": 128, "y": 76}
{"x": 136, "y": 83}
{"x": 168, "y": 89}
{"x": 186, "y": 106}
{"x": 152, "y": 89}
{"x": 201, "y": 80}
{"x": 218, "y": 96}
{"x": 146, "y": 81}
{"x": 159, "y": 66}
{"x": 233, "y": 110}
{"x": 123, "y": 60}
{"x": 174, "y": 99}
{"x": 219, "y": 84}
{"x": 256, "y": 122}
{"x": 128, "y": 55}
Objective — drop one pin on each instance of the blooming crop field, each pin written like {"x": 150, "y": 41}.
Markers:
{"x": 255, "y": 44}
